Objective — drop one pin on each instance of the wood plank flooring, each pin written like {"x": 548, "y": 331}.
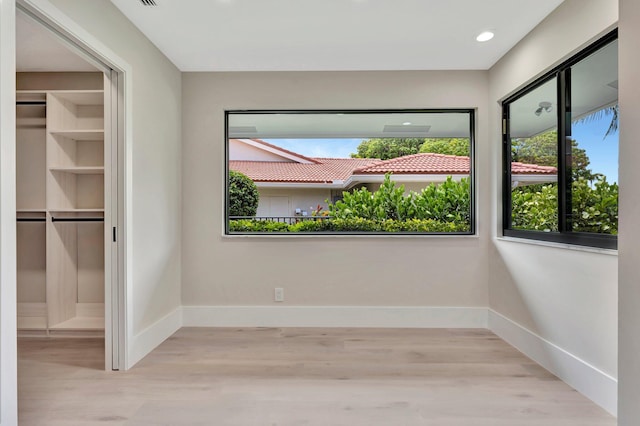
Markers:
{"x": 299, "y": 376}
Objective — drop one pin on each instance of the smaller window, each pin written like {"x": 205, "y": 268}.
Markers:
{"x": 350, "y": 172}
{"x": 564, "y": 126}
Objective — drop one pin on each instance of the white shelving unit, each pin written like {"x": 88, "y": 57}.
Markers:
{"x": 60, "y": 210}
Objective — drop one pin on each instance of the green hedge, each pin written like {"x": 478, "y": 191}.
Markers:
{"x": 349, "y": 225}
{"x": 449, "y": 201}
{"x": 594, "y": 207}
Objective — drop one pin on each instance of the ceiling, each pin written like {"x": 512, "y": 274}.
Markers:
{"x": 319, "y": 35}
{"x": 37, "y": 50}
{"x": 348, "y": 125}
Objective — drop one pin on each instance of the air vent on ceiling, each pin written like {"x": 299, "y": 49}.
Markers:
{"x": 234, "y": 130}
{"x": 389, "y": 128}
{"x": 148, "y": 2}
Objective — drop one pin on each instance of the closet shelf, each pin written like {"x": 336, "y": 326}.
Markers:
{"x": 80, "y": 97}
{"x": 80, "y": 135}
{"x": 79, "y": 170}
{"x": 58, "y": 211}
{"x": 31, "y": 95}
{"x": 19, "y": 210}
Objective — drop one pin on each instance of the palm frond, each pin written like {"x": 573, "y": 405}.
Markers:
{"x": 598, "y": 115}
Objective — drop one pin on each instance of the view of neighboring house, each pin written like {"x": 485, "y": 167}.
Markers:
{"x": 292, "y": 184}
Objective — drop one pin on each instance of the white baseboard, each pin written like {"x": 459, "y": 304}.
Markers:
{"x": 149, "y": 338}
{"x": 334, "y": 316}
{"x": 596, "y": 385}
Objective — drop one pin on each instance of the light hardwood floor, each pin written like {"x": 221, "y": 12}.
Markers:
{"x": 296, "y": 376}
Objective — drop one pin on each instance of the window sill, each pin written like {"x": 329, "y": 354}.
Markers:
{"x": 564, "y": 246}
{"x": 293, "y": 236}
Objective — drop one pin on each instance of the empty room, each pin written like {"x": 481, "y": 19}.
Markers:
{"x": 340, "y": 212}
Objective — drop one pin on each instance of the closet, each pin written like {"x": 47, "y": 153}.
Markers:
{"x": 60, "y": 199}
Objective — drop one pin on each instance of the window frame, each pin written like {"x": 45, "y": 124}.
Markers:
{"x": 562, "y": 75}
{"x": 472, "y": 172}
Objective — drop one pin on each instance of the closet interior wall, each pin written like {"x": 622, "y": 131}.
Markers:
{"x": 60, "y": 200}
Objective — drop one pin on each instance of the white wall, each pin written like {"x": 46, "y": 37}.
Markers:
{"x": 8, "y": 361}
{"x": 245, "y": 152}
{"x": 629, "y": 255}
{"x": 321, "y": 271}
{"x": 298, "y": 198}
{"x": 154, "y": 85}
{"x": 565, "y": 297}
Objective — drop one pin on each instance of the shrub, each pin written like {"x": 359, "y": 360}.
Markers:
{"x": 449, "y": 201}
{"x": 252, "y": 225}
{"x": 536, "y": 208}
{"x": 243, "y": 195}
{"x": 594, "y": 206}
{"x": 354, "y": 224}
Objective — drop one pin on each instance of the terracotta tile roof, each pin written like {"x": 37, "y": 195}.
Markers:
{"x": 427, "y": 163}
{"x": 532, "y": 169}
{"x": 327, "y": 170}
{"x": 324, "y": 170}
{"x": 435, "y": 164}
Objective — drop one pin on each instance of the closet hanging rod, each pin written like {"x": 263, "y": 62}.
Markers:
{"x": 77, "y": 219}
{"x": 31, "y": 219}
{"x": 34, "y": 103}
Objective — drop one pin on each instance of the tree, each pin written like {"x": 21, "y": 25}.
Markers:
{"x": 387, "y": 148}
{"x": 243, "y": 195}
{"x": 449, "y": 146}
{"x": 613, "y": 111}
{"x": 594, "y": 201}
{"x": 542, "y": 150}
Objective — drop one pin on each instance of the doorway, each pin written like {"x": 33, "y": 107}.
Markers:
{"x": 69, "y": 185}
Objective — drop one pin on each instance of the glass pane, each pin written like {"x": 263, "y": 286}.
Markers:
{"x": 594, "y": 142}
{"x": 534, "y": 152}
{"x": 351, "y": 172}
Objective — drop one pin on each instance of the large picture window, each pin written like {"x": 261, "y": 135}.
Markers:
{"x": 566, "y": 124}
{"x": 350, "y": 172}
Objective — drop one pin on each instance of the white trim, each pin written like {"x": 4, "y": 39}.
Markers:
{"x": 557, "y": 245}
{"x": 376, "y": 178}
{"x": 587, "y": 379}
{"x": 298, "y": 185}
{"x": 379, "y": 178}
{"x": 274, "y": 150}
{"x": 355, "y": 179}
{"x": 522, "y": 179}
{"x": 149, "y": 338}
{"x": 8, "y": 326}
{"x": 335, "y": 316}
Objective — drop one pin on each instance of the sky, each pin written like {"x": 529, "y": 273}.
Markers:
{"x": 602, "y": 152}
{"x": 327, "y": 148}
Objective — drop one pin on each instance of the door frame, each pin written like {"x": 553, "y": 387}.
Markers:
{"x": 8, "y": 325}
{"x": 117, "y": 182}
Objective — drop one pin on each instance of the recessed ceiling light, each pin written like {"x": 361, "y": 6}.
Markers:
{"x": 406, "y": 123}
{"x": 485, "y": 36}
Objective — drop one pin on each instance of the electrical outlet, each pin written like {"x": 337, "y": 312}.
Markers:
{"x": 278, "y": 294}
